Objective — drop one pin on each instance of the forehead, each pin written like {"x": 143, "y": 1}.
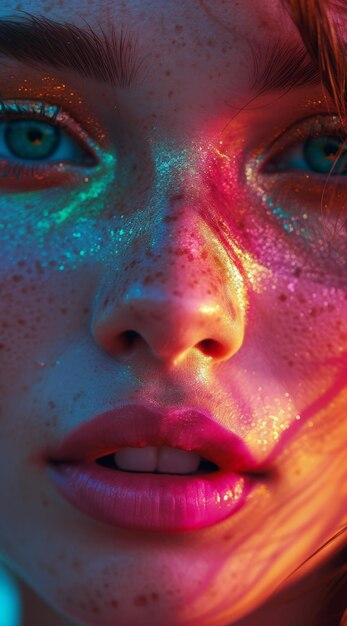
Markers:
{"x": 230, "y": 19}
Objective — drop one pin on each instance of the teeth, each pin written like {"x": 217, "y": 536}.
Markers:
{"x": 174, "y": 461}
{"x": 137, "y": 459}
{"x": 164, "y": 459}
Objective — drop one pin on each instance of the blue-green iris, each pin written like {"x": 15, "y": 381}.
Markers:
{"x": 31, "y": 139}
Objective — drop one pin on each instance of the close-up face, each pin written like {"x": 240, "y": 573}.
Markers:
{"x": 168, "y": 243}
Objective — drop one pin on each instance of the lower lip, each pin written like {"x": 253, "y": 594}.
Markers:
{"x": 152, "y": 502}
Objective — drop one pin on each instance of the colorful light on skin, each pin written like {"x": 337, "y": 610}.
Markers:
{"x": 184, "y": 223}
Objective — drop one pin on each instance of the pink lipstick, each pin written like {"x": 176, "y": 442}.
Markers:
{"x": 158, "y": 502}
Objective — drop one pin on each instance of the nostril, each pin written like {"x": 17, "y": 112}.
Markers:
{"x": 213, "y": 348}
{"x": 127, "y": 339}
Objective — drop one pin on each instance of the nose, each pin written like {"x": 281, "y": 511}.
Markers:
{"x": 179, "y": 298}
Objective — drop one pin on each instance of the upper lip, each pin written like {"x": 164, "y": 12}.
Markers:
{"x": 138, "y": 425}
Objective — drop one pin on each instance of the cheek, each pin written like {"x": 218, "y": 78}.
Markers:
{"x": 21, "y": 313}
{"x": 31, "y": 313}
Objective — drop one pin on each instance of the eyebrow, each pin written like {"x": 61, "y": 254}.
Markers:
{"x": 38, "y": 41}
{"x": 112, "y": 58}
{"x": 281, "y": 66}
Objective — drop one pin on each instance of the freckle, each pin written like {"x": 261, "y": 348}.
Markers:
{"x": 76, "y": 564}
{"x": 51, "y": 571}
{"x": 63, "y": 310}
{"x": 44, "y": 500}
{"x": 168, "y": 73}
{"x": 39, "y": 267}
{"x": 51, "y": 404}
{"x": 95, "y": 610}
{"x": 154, "y": 597}
{"x": 170, "y": 93}
{"x": 297, "y": 272}
{"x": 227, "y": 536}
{"x": 21, "y": 322}
{"x": 140, "y": 601}
{"x": 16, "y": 278}
{"x": 170, "y": 218}
{"x": 282, "y": 297}
{"x": 86, "y": 311}
{"x": 178, "y": 28}
{"x": 114, "y": 603}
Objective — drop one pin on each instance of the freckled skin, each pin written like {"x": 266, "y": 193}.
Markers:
{"x": 230, "y": 310}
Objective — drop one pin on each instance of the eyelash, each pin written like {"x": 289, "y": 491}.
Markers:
{"x": 37, "y": 110}
{"x": 18, "y": 109}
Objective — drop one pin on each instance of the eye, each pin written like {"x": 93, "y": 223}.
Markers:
{"x": 42, "y": 146}
{"x": 316, "y": 151}
{"x": 33, "y": 140}
{"x": 37, "y": 133}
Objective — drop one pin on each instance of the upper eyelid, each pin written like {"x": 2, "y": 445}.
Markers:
{"x": 301, "y": 127}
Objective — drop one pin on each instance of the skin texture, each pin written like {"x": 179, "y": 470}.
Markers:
{"x": 180, "y": 238}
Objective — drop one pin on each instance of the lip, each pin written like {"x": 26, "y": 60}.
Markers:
{"x": 149, "y": 501}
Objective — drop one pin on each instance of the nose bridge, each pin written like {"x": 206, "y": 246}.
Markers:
{"x": 178, "y": 232}
{"x": 178, "y": 291}
{"x": 184, "y": 253}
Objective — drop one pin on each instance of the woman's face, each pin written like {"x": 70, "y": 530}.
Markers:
{"x": 198, "y": 218}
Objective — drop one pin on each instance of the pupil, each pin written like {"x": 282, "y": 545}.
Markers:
{"x": 35, "y": 136}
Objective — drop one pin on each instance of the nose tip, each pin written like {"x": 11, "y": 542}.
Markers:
{"x": 169, "y": 331}
{"x": 127, "y": 342}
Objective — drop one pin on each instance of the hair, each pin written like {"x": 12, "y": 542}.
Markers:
{"x": 320, "y": 34}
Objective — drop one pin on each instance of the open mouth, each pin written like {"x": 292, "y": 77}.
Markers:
{"x": 158, "y": 469}
{"x": 191, "y": 466}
